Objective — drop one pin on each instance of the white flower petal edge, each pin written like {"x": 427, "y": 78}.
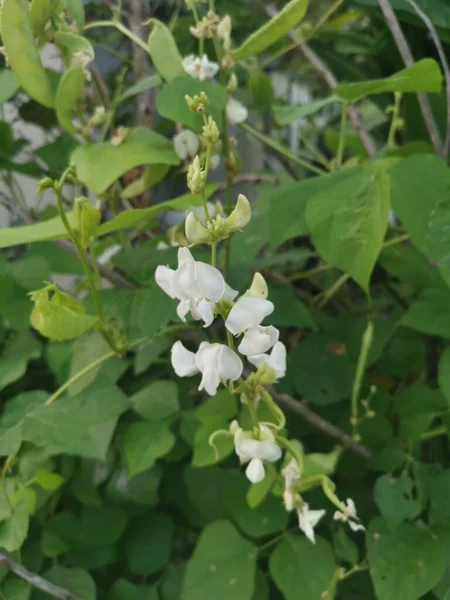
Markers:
{"x": 258, "y": 340}
{"x": 217, "y": 363}
{"x": 276, "y": 360}
{"x": 200, "y": 67}
{"x": 183, "y": 361}
{"x": 256, "y": 452}
{"x": 308, "y": 519}
{"x": 236, "y": 111}
{"x": 255, "y": 471}
{"x": 248, "y": 313}
{"x": 348, "y": 515}
{"x": 185, "y": 144}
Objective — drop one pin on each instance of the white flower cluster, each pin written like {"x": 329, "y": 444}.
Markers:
{"x": 199, "y": 288}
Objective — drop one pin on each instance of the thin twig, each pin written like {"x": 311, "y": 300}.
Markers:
{"x": 330, "y": 79}
{"x": 36, "y": 580}
{"x": 317, "y": 421}
{"x": 408, "y": 59}
{"x": 445, "y": 67}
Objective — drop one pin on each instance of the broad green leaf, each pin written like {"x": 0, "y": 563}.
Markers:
{"x": 70, "y": 44}
{"x": 75, "y": 9}
{"x": 146, "y": 354}
{"x": 85, "y": 351}
{"x": 438, "y": 237}
{"x": 102, "y": 526}
{"x": 47, "y": 230}
{"x": 100, "y": 165}
{"x": 439, "y": 494}
{"x": 296, "y": 564}
{"x": 13, "y": 532}
{"x": 15, "y": 357}
{"x": 205, "y": 491}
{"x": 40, "y": 13}
{"x": 257, "y": 492}
{"x": 150, "y": 176}
{"x": 76, "y": 425}
{"x": 11, "y": 420}
{"x": 171, "y": 581}
{"x": 289, "y": 309}
{"x": 67, "y": 96}
{"x": 157, "y": 401}
{"x": 16, "y": 589}
{"x": 266, "y": 519}
{"x": 429, "y": 313}
{"x": 58, "y": 322}
{"x": 423, "y": 76}
{"x": 22, "y": 53}
{"x": 125, "y": 590}
{"x": 348, "y": 223}
{"x": 287, "y": 204}
{"x": 344, "y": 547}
{"x": 144, "y": 84}
{"x": 316, "y": 463}
{"x": 141, "y": 490}
{"x": 156, "y": 311}
{"x": 223, "y": 565}
{"x": 396, "y": 499}
{"x": 129, "y": 218}
{"x": 172, "y": 105}
{"x": 143, "y": 443}
{"x": 272, "y": 30}
{"x": 444, "y": 374}
{"x": 164, "y": 51}
{"x": 418, "y": 183}
{"x": 56, "y": 154}
{"x": 407, "y": 263}
{"x": 417, "y": 406}
{"x": 318, "y": 373}
{"x": 287, "y": 113}
{"x": 148, "y": 545}
{"x": 203, "y": 453}
{"x": 406, "y": 562}
{"x": 77, "y": 581}
{"x": 8, "y": 85}
{"x": 47, "y": 480}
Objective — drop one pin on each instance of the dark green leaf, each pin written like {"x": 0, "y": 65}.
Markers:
{"x": 143, "y": 443}
{"x": 157, "y": 401}
{"x": 429, "y": 313}
{"x": 148, "y": 545}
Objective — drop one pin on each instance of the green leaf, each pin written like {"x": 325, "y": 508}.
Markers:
{"x": 296, "y": 564}
{"x": 272, "y": 30}
{"x": 287, "y": 113}
{"x": 267, "y": 518}
{"x": 143, "y": 443}
{"x": 405, "y": 563}
{"x": 344, "y": 547}
{"x": 11, "y": 421}
{"x": 147, "y": 353}
{"x": 413, "y": 180}
{"x": 439, "y": 495}
{"x": 318, "y": 373}
{"x": 429, "y": 313}
{"x": 148, "y": 545}
{"x": 8, "y": 85}
{"x": 23, "y": 56}
{"x": 407, "y": 263}
{"x": 139, "y": 490}
{"x": 395, "y": 498}
{"x": 157, "y": 401}
{"x": 13, "y": 532}
{"x": 423, "y": 76}
{"x": 41, "y": 12}
{"x": 47, "y": 230}
{"x": 289, "y": 309}
{"x": 438, "y": 237}
{"x": 58, "y": 322}
{"x": 75, "y": 9}
{"x": 15, "y": 357}
{"x": 144, "y": 84}
{"x": 156, "y": 311}
{"x": 417, "y": 406}
{"x": 172, "y": 105}
{"x": 150, "y": 176}
{"x": 349, "y": 222}
{"x": 223, "y": 565}
{"x": 52, "y": 544}
{"x": 164, "y": 51}
{"x": 70, "y": 44}
{"x": 100, "y": 165}
{"x": 16, "y": 589}
{"x": 56, "y": 154}
{"x": 81, "y": 425}
{"x": 102, "y": 526}
{"x": 85, "y": 351}
{"x": 77, "y": 581}
{"x": 67, "y": 96}
{"x": 316, "y": 463}
{"x": 205, "y": 491}
{"x": 125, "y": 590}
{"x": 444, "y": 374}
{"x": 47, "y": 480}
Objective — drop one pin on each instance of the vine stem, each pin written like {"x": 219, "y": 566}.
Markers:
{"x": 342, "y": 134}
{"x": 394, "y": 123}
{"x": 436, "y": 432}
{"x": 366, "y": 344}
{"x": 120, "y": 27}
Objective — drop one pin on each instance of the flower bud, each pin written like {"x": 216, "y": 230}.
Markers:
{"x": 196, "y": 176}
{"x": 258, "y": 288}
{"x": 240, "y": 216}
{"x": 199, "y": 103}
{"x": 120, "y": 135}
{"x": 211, "y": 132}
{"x": 232, "y": 83}
{"x": 44, "y": 184}
{"x": 224, "y": 28}
{"x": 99, "y": 116}
{"x": 196, "y": 232}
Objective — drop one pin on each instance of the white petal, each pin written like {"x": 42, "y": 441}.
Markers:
{"x": 258, "y": 288}
{"x": 209, "y": 281}
{"x": 205, "y": 311}
{"x": 229, "y": 293}
{"x": 255, "y": 470}
{"x": 184, "y": 256}
{"x": 266, "y": 433}
{"x": 206, "y": 360}
{"x": 258, "y": 340}
{"x": 269, "y": 451}
{"x": 351, "y": 508}
{"x": 184, "y": 283}
{"x": 182, "y": 309}
{"x": 210, "y": 380}
{"x": 356, "y": 526}
{"x": 229, "y": 363}
{"x": 164, "y": 277}
{"x": 306, "y": 526}
{"x": 289, "y": 500}
{"x": 247, "y": 313}
{"x": 183, "y": 361}
{"x": 278, "y": 359}
{"x": 258, "y": 359}
{"x": 247, "y": 448}
{"x": 339, "y": 516}
{"x": 236, "y": 111}
{"x": 185, "y": 144}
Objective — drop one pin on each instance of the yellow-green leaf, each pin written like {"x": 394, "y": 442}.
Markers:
{"x": 164, "y": 51}
{"x": 87, "y": 219}
{"x": 22, "y": 53}
{"x": 70, "y": 44}
{"x": 40, "y": 13}
{"x": 69, "y": 91}
{"x": 273, "y": 30}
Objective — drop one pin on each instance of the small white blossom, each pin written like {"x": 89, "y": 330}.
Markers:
{"x": 256, "y": 452}
{"x": 276, "y": 360}
{"x": 291, "y": 474}
{"x": 236, "y": 111}
{"x": 308, "y": 519}
{"x": 200, "y": 67}
{"x": 348, "y": 515}
{"x": 214, "y": 162}
{"x": 216, "y": 363}
{"x": 197, "y": 285}
{"x": 186, "y": 144}
{"x": 258, "y": 340}
{"x": 245, "y": 317}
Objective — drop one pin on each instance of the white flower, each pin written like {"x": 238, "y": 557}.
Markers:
{"x": 308, "y": 519}
{"x": 215, "y": 362}
{"x": 214, "y": 162}
{"x": 276, "y": 360}
{"x": 246, "y": 316}
{"x": 291, "y": 474}
{"x": 348, "y": 515}
{"x": 258, "y": 340}
{"x": 185, "y": 144}
{"x": 236, "y": 111}
{"x": 255, "y": 452}
{"x": 197, "y": 285}
{"x": 200, "y": 67}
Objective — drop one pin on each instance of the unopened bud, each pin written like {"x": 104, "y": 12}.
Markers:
{"x": 119, "y": 136}
{"x": 232, "y": 83}
{"x": 224, "y": 28}
{"x": 241, "y": 214}
{"x": 198, "y": 103}
{"x": 196, "y": 232}
{"x": 196, "y": 176}
{"x": 258, "y": 288}
{"x": 45, "y": 184}
{"x": 211, "y": 132}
